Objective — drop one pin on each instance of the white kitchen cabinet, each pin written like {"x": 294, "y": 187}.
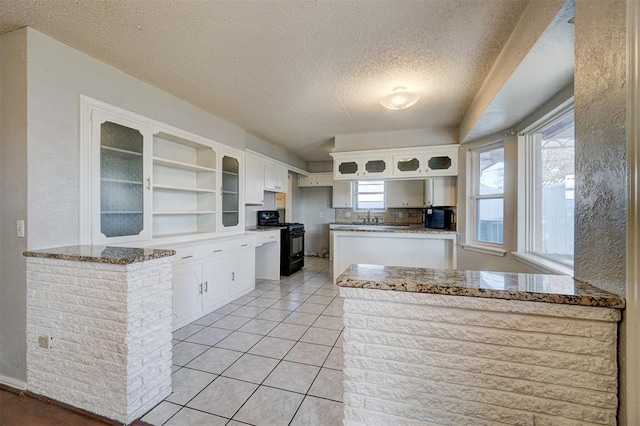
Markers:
{"x": 209, "y": 275}
{"x": 142, "y": 180}
{"x": 362, "y": 167}
{"x": 342, "y": 194}
{"x": 440, "y": 191}
{"x": 187, "y": 300}
{"x": 405, "y": 193}
{"x": 275, "y": 177}
{"x": 121, "y": 179}
{"x": 254, "y": 180}
{"x": 232, "y": 182}
{"x": 432, "y": 161}
{"x": 242, "y": 266}
{"x": 397, "y": 163}
{"x": 268, "y": 255}
{"x": 316, "y": 179}
{"x": 215, "y": 289}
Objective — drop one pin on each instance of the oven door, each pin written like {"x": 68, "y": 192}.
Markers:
{"x": 296, "y": 245}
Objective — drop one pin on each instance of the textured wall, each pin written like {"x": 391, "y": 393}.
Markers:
{"x": 111, "y": 330}
{"x": 417, "y": 359}
{"x": 600, "y": 105}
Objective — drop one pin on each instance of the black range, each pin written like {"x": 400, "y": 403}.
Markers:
{"x": 291, "y": 241}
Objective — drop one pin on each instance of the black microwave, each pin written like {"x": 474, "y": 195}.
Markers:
{"x": 438, "y": 218}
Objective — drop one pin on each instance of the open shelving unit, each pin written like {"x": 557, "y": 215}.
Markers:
{"x": 184, "y": 187}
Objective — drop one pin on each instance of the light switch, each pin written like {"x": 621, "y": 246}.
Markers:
{"x": 20, "y": 228}
{"x": 321, "y": 214}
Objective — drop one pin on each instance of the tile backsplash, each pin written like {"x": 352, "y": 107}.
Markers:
{"x": 406, "y": 216}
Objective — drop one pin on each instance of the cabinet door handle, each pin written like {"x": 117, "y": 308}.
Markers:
{"x": 233, "y": 276}
{"x": 206, "y": 286}
{"x": 200, "y": 285}
{"x": 217, "y": 251}
{"x": 244, "y": 245}
{"x": 148, "y": 184}
{"x": 187, "y": 257}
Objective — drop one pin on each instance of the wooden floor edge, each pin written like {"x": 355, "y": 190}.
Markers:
{"x": 64, "y": 406}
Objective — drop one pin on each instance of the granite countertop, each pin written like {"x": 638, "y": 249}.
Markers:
{"x": 559, "y": 289}
{"x": 263, "y": 228}
{"x": 101, "y": 254}
{"x": 367, "y": 227}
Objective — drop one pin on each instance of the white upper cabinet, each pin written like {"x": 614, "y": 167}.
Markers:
{"x": 254, "y": 180}
{"x": 275, "y": 177}
{"x": 405, "y": 193}
{"x": 144, "y": 180}
{"x": 231, "y": 192}
{"x": 367, "y": 167}
{"x": 316, "y": 179}
{"x": 121, "y": 181}
{"x": 342, "y": 194}
{"x": 401, "y": 163}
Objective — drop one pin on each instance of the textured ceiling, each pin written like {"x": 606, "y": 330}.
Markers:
{"x": 292, "y": 72}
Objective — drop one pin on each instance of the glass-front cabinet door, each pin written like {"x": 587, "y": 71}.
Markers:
{"x": 442, "y": 163}
{"x": 231, "y": 179}
{"x": 121, "y": 187}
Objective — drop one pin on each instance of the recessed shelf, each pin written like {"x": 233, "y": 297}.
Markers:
{"x": 127, "y": 182}
{"x": 180, "y": 165}
{"x": 182, "y": 188}
{"x": 179, "y": 213}
{"x": 230, "y": 211}
{"x": 230, "y": 192}
{"x": 125, "y": 152}
{"x": 230, "y": 173}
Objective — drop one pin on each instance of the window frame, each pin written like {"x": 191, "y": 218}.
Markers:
{"x": 355, "y": 195}
{"x": 473, "y": 195}
{"x": 527, "y": 166}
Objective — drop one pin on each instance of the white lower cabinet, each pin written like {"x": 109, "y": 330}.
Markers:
{"x": 207, "y": 276}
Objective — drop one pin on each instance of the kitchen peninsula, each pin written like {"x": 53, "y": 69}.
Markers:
{"x": 99, "y": 327}
{"x": 391, "y": 245}
{"x": 470, "y": 347}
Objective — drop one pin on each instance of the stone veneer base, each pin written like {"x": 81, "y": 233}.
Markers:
{"x": 416, "y": 359}
{"x": 111, "y": 334}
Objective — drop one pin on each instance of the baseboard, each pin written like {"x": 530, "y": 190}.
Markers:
{"x": 13, "y": 383}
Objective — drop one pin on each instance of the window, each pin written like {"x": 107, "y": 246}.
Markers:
{"x": 548, "y": 157}
{"x": 370, "y": 195}
{"x": 487, "y": 194}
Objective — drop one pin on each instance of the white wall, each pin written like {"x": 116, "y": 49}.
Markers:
{"x": 316, "y": 200}
{"x": 272, "y": 151}
{"x": 57, "y": 75}
{"x": 13, "y": 206}
{"x": 395, "y": 139}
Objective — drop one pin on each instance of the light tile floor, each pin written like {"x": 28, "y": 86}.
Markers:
{"x": 272, "y": 357}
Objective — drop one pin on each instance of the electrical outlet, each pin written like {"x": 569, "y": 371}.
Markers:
{"x": 321, "y": 214}
{"x": 20, "y": 228}
{"x": 347, "y": 214}
{"x": 400, "y": 215}
{"x": 45, "y": 342}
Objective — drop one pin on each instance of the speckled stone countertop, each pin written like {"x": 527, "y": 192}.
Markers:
{"x": 559, "y": 289}
{"x": 101, "y": 254}
{"x": 263, "y": 228}
{"x": 408, "y": 229}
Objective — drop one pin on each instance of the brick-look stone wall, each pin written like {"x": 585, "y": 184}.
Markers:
{"x": 417, "y": 359}
{"x": 111, "y": 330}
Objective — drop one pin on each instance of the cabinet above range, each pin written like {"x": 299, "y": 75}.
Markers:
{"x": 400, "y": 163}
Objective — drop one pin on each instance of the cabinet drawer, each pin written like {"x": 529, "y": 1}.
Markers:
{"x": 242, "y": 242}
{"x": 271, "y": 237}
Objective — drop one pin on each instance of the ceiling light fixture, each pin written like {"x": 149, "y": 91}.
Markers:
{"x": 400, "y": 98}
